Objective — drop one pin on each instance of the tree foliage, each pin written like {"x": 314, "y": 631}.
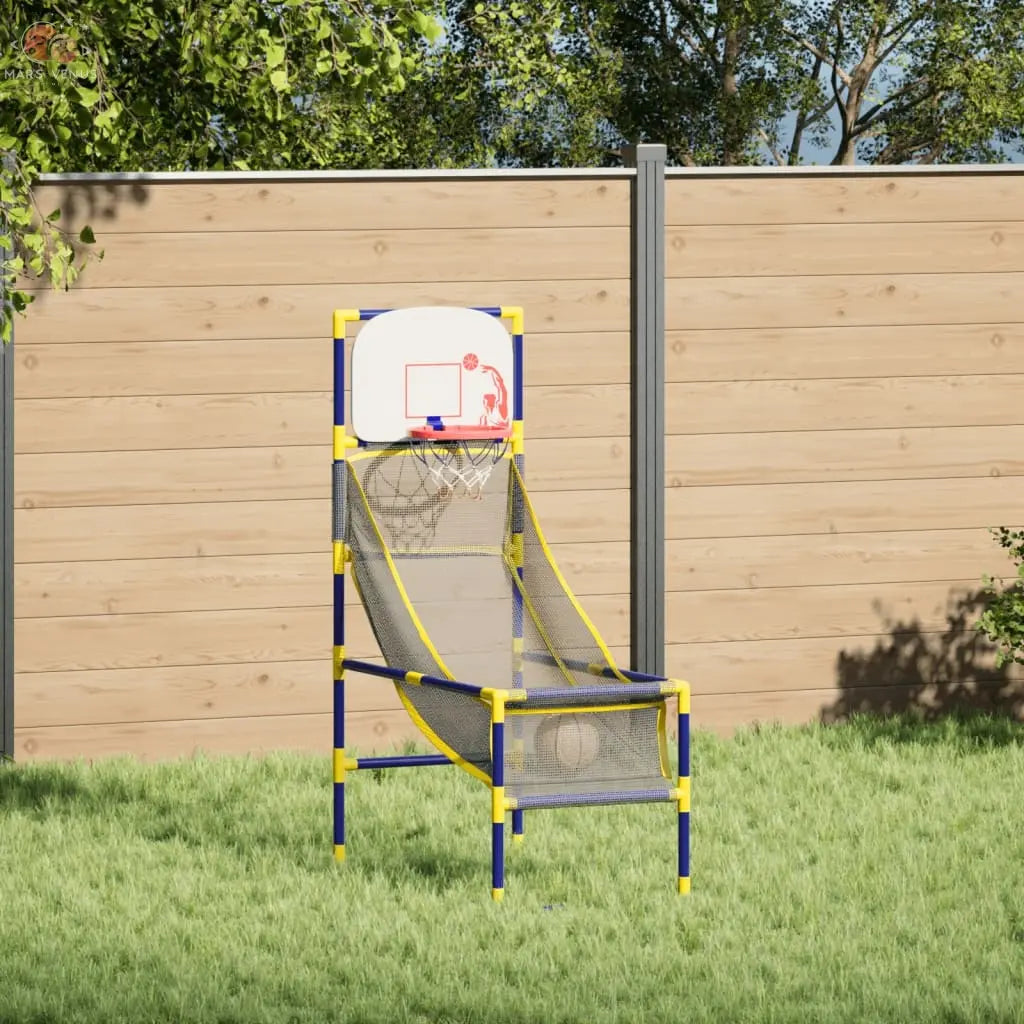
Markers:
{"x": 753, "y": 81}
{"x": 133, "y": 85}
{"x": 265, "y": 84}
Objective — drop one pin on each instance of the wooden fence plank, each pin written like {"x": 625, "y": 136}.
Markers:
{"x": 170, "y": 531}
{"x": 246, "y": 312}
{"x": 765, "y": 510}
{"x": 774, "y": 302}
{"x": 354, "y": 205}
{"x": 370, "y": 732}
{"x": 932, "y": 247}
{"x": 831, "y": 610}
{"x": 367, "y": 731}
{"x": 843, "y": 663}
{"x": 217, "y": 637}
{"x": 326, "y": 256}
{"x": 192, "y": 583}
{"x": 806, "y": 352}
{"x": 222, "y": 636}
{"x": 851, "y": 403}
{"x": 901, "y": 198}
{"x": 95, "y": 697}
{"x": 568, "y": 411}
{"x": 251, "y": 421}
{"x": 126, "y": 586}
{"x": 725, "y": 713}
{"x": 814, "y": 560}
{"x": 254, "y": 474}
{"x": 255, "y": 527}
{"x": 224, "y": 367}
{"x": 817, "y": 455}
{"x": 233, "y": 528}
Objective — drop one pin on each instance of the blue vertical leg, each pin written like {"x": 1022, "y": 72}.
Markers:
{"x": 517, "y": 826}
{"x": 338, "y": 558}
{"x": 684, "y": 793}
{"x": 498, "y": 800}
{"x": 339, "y": 769}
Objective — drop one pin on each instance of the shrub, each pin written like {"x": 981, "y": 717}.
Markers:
{"x": 1003, "y": 619}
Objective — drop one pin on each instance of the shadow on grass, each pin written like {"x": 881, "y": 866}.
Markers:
{"x": 908, "y": 684}
{"x": 35, "y": 790}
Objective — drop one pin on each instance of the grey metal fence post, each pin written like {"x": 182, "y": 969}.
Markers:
{"x": 7, "y": 549}
{"x": 647, "y": 410}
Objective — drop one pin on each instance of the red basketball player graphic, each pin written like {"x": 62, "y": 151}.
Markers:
{"x": 486, "y": 385}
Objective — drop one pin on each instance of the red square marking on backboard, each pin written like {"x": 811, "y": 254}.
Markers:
{"x": 433, "y": 389}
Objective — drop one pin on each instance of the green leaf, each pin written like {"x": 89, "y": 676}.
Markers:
{"x": 88, "y": 97}
{"x": 279, "y": 79}
{"x": 86, "y": 235}
{"x": 275, "y": 55}
{"x": 54, "y": 216}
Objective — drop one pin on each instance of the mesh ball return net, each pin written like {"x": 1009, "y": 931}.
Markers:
{"x": 492, "y": 654}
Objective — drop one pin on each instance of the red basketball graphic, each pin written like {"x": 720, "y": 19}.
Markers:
{"x": 470, "y": 361}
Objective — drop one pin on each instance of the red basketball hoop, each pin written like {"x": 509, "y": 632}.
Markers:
{"x": 460, "y": 458}
{"x": 462, "y": 432}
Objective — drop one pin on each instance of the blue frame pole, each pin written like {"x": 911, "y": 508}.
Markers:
{"x": 497, "y": 797}
{"x": 519, "y": 458}
{"x": 684, "y": 791}
{"x": 338, "y": 554}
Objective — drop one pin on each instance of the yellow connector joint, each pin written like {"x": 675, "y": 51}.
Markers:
{"x": 342, "y": 318}
{"x": 498, "y": 804}
{"x": 683, "y": 689}
{"x": 684, "y": 886}
{"x": 515, "y": 314}
{"x": 682, "y": 795}
{"x": 340, "y": 557}
{"x": 497, "y": 895}
{"x": 339, "y": 659}
{"x": 340, "y": 438}
{"x": 515, "y": 696}
{"x": 497, "y": 699}
{"x": 340, "y": 764}
{"x": 339, "y": 852}
{"x": 517, "y": 437}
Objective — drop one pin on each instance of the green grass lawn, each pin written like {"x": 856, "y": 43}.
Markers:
{"x": 866, "y": 872}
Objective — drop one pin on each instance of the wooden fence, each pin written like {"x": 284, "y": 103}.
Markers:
{"x": 172, "y": 524}
{"x": 845, "y": 367}
{"x": 845, "y": 393}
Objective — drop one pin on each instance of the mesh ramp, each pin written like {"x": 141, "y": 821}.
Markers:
{"x": 466, "y": 588}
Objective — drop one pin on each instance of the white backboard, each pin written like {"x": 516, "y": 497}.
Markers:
{"x": 411, "y": 364}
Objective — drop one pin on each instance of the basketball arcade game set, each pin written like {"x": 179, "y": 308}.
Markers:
{"x": 433, "y": 525}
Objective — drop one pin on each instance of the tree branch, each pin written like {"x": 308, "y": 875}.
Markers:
{"x": 802, "y": 118}
{"x": 866, "y": 117}
{"x": 766, "y": 139}
{"x": 819, "y": 53}
{"x": 894, "y": 112}
{"x": 900, "y": 32}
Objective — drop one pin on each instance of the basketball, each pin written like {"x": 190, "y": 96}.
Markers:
{"x": 470, "y": 361}
{"x": 570, "y": 741}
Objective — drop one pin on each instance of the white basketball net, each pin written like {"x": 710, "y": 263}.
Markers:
{"x": 461, "y": 468}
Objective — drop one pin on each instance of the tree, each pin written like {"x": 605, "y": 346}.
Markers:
{"x": 889, "y": 81}
{"x": 913, "y": 80}
{"x": 160, "y": 85}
